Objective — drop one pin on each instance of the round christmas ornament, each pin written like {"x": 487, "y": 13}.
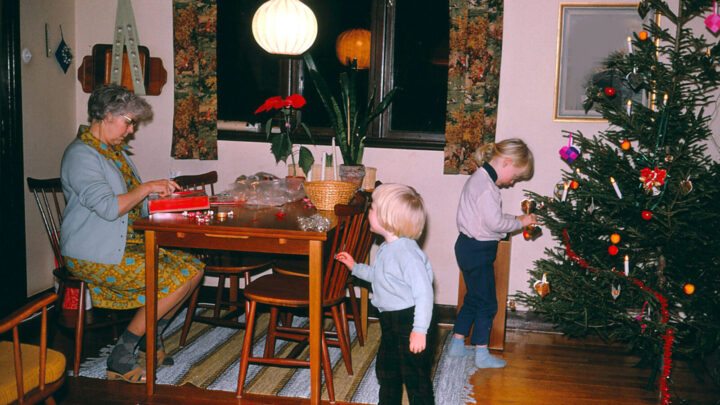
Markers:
{"x": 689, "y": 288}
{"x": 609, "y": 91}
{"x": 647, "y": 215}
{"x": 625, "y": 145}
{"x": 574, "y": 185}
{"x": 643, "y": 35}
{"x": 615, "y": 238}
{"x": 613, "y": 250}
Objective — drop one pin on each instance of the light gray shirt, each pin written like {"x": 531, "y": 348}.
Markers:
{"x": 479, "y": 214}
{"x": 401, "y": 277}
{"x": 91, "y": 229}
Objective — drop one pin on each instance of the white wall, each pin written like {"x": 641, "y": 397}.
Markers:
{"x": 525, "y": 110}
{"x": 48, "y": 118}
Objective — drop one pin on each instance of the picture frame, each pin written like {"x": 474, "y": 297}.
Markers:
{"x": 587, "y": 34}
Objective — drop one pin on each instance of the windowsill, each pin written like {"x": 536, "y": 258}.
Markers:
{"x": 247, "y": 132}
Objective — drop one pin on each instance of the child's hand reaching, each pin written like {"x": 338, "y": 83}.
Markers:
{"x": 528, "y": 219}
{"x": 417, "y": 342}
{"x": 346, "y": 259}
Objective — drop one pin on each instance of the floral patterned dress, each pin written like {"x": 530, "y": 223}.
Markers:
{"x": 122, "y": 286}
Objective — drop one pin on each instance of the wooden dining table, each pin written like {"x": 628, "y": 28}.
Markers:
{"x": 247, "y": 228}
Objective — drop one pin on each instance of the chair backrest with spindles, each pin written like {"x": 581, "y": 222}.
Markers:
{"x": 48, "y": 195}
{"x": 352, "y": 227}
{"x": 198, "y": 181}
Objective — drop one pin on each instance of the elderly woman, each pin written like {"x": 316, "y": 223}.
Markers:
{"x": 104, "y": 197}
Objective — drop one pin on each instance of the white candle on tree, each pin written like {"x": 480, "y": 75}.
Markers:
{"x": 565, "y": 190}
{"x": 627, "y": 266}
{"x": 629, "y": 43}
{"x": 615, "y": 186}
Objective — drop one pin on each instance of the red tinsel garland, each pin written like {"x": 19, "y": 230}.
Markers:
{"x": 668, "y": 337}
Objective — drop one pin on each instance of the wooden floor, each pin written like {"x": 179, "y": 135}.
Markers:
{"x": 543, "y": 368}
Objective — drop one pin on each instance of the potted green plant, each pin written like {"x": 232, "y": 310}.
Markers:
{"x": 281, "y": 145}
{"x": 349, "y": 119}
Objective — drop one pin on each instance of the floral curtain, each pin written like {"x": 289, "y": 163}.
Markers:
{"x": 473, "y": 80}
{"x": 195, "y": 121}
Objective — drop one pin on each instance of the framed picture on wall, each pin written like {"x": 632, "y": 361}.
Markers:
{"x": 587, "y": 35}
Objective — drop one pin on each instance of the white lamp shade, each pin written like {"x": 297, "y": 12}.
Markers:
{"x": 286, "y": 27}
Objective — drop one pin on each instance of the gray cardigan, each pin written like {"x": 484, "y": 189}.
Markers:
{"x": 91, "y": 229}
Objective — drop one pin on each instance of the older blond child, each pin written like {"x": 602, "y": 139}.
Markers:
{"x": 401, "y": 279}
{"x": 482, "y": 224}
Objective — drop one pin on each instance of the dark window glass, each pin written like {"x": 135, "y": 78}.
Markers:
{"x": 246, "y": 74}
{"x": 420, "y": 58}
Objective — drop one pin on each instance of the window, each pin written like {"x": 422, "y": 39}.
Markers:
{"x": 410, "y": 51}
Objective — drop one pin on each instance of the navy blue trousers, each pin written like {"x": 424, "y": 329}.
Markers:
{"x": 397, "y": 365}
{"x": 476, "y": 259}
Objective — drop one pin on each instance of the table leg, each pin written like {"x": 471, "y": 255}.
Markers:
{"x": 364, "y": 310}
{"x": 151, "y": 253}
{"x": 315, "y": 263}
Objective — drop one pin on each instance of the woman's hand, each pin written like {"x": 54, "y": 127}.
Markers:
{"x": 163, "y": 187}
{"x": 417, "y": 342}
{"x": 346, "y": 259}
{"x": 528, "y": 219}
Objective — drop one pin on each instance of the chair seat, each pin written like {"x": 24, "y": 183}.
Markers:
{"x": 54, "y": 369}
{"x": 282, "y": 289}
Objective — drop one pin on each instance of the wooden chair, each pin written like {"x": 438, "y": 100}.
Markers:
{"x": 223, "y": 265}
{"x": 298, "y": 267}
{"x": 48, "y": 194}
{"x": 287, "y": 291}
{"x": 29, "y": 373}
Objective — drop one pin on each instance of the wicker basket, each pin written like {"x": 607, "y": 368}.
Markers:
{"x": 325, "y": 194}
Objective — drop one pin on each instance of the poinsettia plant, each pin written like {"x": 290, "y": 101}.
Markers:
{"x": 281, "y": 145}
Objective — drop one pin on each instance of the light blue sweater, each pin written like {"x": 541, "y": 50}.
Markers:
{"x": 91, "y": 229}
{"x": 401, "y": 277}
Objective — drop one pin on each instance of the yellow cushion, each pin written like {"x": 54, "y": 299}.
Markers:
{"x": 30, "y": 354}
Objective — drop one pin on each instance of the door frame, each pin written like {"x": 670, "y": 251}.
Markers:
{"x": 13, "y": 288}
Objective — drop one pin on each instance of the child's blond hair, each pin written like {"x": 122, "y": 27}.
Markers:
{"x": 513, "y": 148}
{"x": 400, "y": 210}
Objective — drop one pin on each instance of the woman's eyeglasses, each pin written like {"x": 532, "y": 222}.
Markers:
{"x": 130, "y": 121}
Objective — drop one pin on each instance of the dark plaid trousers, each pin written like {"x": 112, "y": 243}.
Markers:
{"x": 396, "y": 364}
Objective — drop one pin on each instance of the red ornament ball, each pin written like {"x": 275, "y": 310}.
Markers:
{"x": 647, "y": 215}
{"x": 574, "y": 185}
{"x": 625, "y": 145}
{"x": 613, "y": 250}
{"x": 609, "y": 91}
{"x": 643, "y": 35}
{"x": 689, "y": 288}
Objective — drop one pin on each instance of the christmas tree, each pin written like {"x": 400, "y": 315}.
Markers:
{"x": 636, "y": 213}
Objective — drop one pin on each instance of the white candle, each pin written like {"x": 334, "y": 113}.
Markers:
{"x": 322, "y": 166}
{"x": 629, "y": 107}
{"x": 629, "y": 42}
{"x": 565, "y": 189}
{"x": 627, "y": 266}
{"x": 615, "y": 186}
{"x": 665, "y": 97}
{"x": 334, "y": 156}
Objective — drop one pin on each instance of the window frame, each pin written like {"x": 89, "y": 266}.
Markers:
{"x": 381, "y": 76}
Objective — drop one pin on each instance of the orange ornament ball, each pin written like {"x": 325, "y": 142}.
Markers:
{"x": 354, "y": 44}
{"x": 625, "y": 145}
{"x": 643, "y": 35}
{"x": 614, "y": 238}
{"x": 689, "y": 289}
{"x": 574, "y": 185}
{"x": 613, "y": 250}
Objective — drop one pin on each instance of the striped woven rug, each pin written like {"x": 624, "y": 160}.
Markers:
{"x": 211, "y": 357}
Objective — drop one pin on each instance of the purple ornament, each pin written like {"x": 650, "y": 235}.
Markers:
{"x": 713, "y": 20}
{"x": 569, "y": 153}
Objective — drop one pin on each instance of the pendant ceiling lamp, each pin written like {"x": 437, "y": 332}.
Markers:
{"x": 285, "y": 27}
{"x": 354, "y": 44}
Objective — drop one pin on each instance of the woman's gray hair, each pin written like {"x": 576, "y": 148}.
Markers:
{"x": 116, "y": 100}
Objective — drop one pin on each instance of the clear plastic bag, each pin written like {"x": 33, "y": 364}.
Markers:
{"x": 264, "y": 189}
